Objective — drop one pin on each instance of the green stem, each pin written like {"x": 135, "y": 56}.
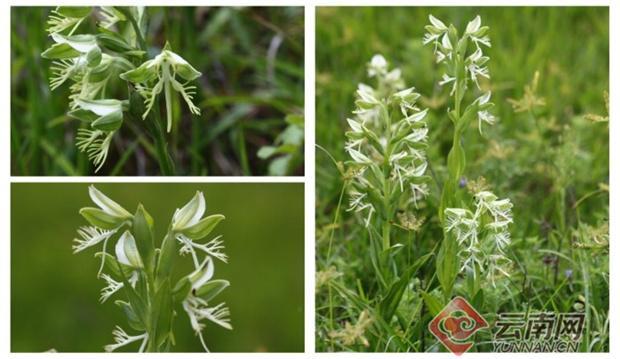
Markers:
{"x": 387, "y": 206}
{"x": 165, "y": 162}
{"x": 386, "y": 235}
{"x": 449, "y": 192}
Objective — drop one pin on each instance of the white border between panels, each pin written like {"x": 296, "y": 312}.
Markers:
{"x": 308, "y": 179}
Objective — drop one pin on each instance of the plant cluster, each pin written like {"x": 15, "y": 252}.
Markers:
{"x": 514, "y": 218}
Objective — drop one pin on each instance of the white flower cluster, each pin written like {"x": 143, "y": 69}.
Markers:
{"x": 483, "y": 234}
{"x": 94, "y": 63}
{"x": 132, "y": 263}
{"x": 80, "y": 59}
{"x": 386, "y": 140}
{"x": 460, "y": 60}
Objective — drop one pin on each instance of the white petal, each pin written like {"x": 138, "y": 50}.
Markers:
{"x": 445, "y": 42}
{"x": 106, "y": 204}
{"x": 473, "y": 25}
{"x": 127, "y": 251}
{"x": 100, "y": 107}
{"x": 484, "y": 98}
{"x": 355, "y": 126}
{"x": 191, "y": 213}
{"x": 437, "y": 23}
{"x": 203, "y": 274}
{"x": 418, "y": 116}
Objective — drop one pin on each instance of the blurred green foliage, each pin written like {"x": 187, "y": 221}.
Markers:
{"x": 54, "y": 294}
{"x": 252, "y": 65}
{"x": 551, "y": 160}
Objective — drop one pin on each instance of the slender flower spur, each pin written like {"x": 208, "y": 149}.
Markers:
{"x": 142, "y": 271}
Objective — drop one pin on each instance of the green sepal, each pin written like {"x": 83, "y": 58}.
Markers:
{"x": 60, "y": 52}
{"x": 83, "y": 115}
{"x": 203, "y": 227}
{"x": 99, "y": 218}
{"x": 212, "y": 288}
{"x": 142, "y": 73}
{"x": 109, "y": 122}
{"x": 93, "y": 57}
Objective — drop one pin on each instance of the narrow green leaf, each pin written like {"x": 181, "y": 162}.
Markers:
{"x": 137, "y": 303}
{"x": 132, "y": 318}
{"x": 389, "y": 304}
{"x": 111, "y": 265}
{"x": 166, "y": 257}
{"x": 161, "y": 313}
{"x": 447, "y": 265}
{"x": 433, "y": 303}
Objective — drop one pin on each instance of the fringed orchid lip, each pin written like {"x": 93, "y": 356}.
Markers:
{"x": 166, "y": 72}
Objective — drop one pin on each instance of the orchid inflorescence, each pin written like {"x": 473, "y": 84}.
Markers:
{"x": 464, "y": 64}
{"x": 482, "y": 234}
{"x": 99, "y": 65}
{"x": 386, "y": 143}
{"x": 143, "y": 271}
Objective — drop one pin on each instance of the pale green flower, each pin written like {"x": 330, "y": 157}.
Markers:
{"x": 482, "y": 240}
{"x": 165, "y": 73}
{"x": 127, "y": 251}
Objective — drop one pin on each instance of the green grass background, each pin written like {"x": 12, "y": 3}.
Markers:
{"x": 244, "y": 97}
{"x": 544, "y": 160}
{"x": 54, "y": 294}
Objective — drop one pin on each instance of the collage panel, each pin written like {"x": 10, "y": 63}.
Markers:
{"x": 462, "y": 179}
{"x": 181, "y": 267}
{"x": 150, "y": 91}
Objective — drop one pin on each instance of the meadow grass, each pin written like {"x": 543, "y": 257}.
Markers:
{"x": 545, "y": 154}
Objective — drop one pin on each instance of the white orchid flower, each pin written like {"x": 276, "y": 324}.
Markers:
{"x": 166, "y": 72}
